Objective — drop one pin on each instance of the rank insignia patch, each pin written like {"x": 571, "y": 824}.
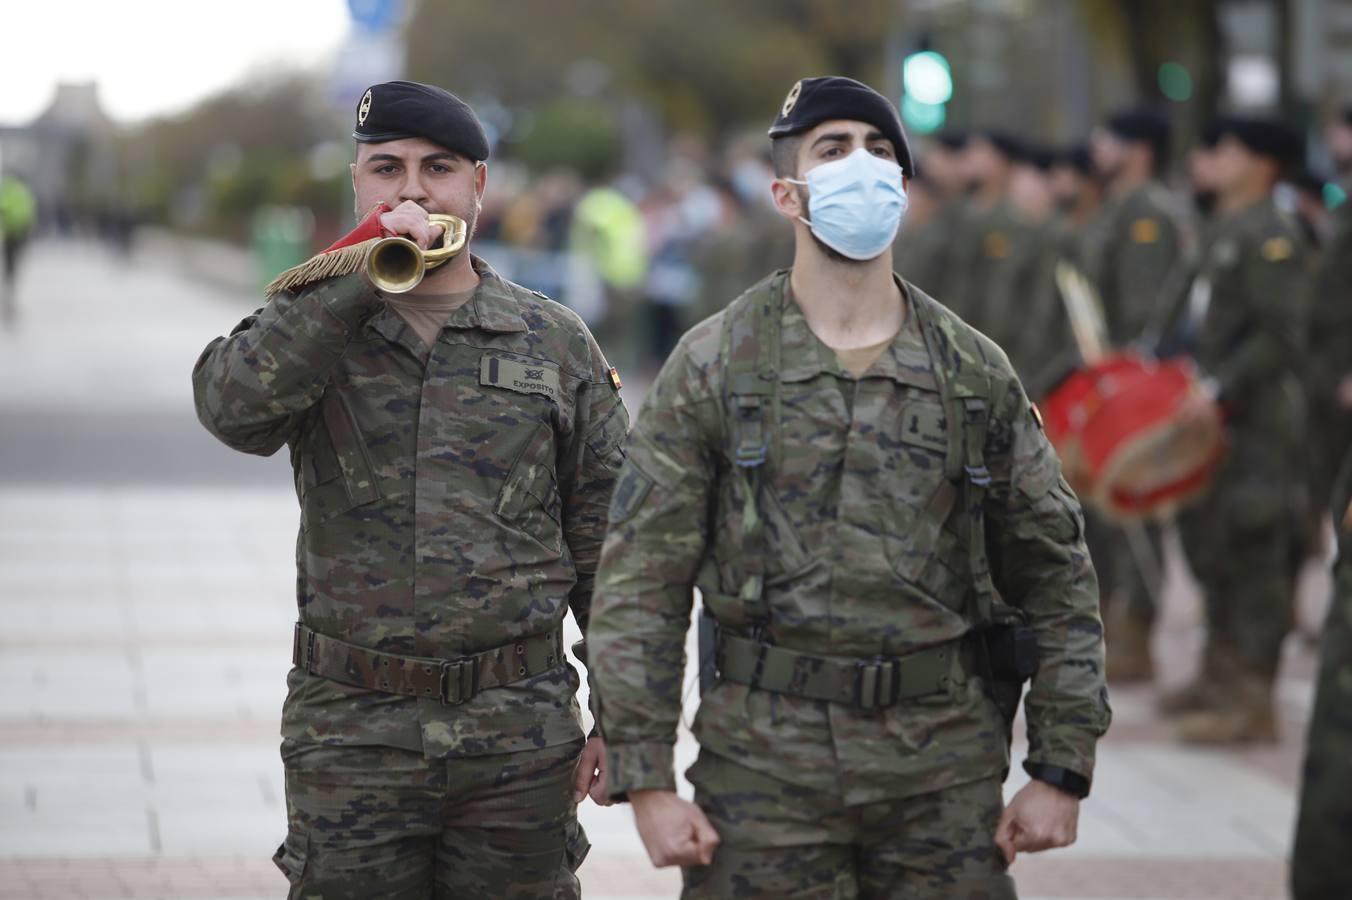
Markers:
{"x": 1277, "y": 249}
{"x": 1145, "y": 231}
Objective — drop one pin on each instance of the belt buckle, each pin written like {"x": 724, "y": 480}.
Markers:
{"x": 865, "y": 684}
{"x": 464, "y": 674}
{"x": 877, "y": 683}
{"x": 303, "y": 653}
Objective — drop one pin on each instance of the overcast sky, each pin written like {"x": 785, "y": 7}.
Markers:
{"x": 154, "y": 56}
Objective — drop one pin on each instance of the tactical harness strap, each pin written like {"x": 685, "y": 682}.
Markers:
{"x": 452, "y": 681}
{"x": 966, "y": 395}
{"x": 752, "y": 398}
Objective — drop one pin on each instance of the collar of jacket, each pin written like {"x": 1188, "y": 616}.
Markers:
{"x": 804, "y": 355}
{"x": 493, "y": 307}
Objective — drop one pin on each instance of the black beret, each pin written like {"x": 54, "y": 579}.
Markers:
{"x": 1308, "y": 181}
{"x": 952, "y": 140}
{"x": 1077, "y": 157}
{"x": 1039, "y": 156}
{"x": 1265, "y": 137}
{"x": 1149, "y": 126}
{"x": 403, "y": 109}
{"x": 1211, "y": 134}
{"x": 1005, "y": 143}
{"x": 813, "y": 101}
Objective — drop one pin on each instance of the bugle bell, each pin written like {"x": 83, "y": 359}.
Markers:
{"x": 397, "y": 265}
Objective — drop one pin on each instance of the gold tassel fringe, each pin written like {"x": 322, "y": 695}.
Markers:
{"x": 343, "y": 261}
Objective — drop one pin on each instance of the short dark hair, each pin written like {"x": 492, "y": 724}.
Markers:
{"x": 784, "y": 155}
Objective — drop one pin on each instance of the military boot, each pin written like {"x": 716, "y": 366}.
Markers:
{"x": 1207, "y": 690}
{"x": 1126, "y": 640}
{"x": 1245, "y": 716}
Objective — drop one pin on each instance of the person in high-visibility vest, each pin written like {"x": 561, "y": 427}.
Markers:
{"x": 18, "y": 212}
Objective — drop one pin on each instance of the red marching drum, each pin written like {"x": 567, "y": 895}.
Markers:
{"x": 1124, "y": 447}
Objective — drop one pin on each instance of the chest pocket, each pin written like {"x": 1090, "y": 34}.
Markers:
{"x": 529, "y": 501}
{"x": 925, "y": 542}
{"x": 336, "y": 473}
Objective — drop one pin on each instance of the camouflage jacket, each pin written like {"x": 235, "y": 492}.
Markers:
{"x": 1131, "y": 252}
{"x": 862, "y": 558}
{"x": 1252, "y": 319}
{"x": 1330, "y": 356}
{"x": 989, "y": 247}
{"x": 924, "y": 253}
{"x": 448, "y": 507}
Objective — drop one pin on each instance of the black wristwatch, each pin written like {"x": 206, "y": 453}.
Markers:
{"x": 1072, "y": 783}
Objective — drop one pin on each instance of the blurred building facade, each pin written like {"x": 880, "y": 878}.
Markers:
{"x": 67, "y": 155}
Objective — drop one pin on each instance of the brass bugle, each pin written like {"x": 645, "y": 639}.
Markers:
{"x": 397, "y": 265}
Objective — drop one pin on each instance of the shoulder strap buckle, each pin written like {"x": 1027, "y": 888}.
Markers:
{"x": 979, "y": 476}
{"x": 752, "y": 437}
{"x": 751, "y": 457}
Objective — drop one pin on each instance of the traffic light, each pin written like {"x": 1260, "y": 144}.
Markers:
{"x": 927, "y": 84}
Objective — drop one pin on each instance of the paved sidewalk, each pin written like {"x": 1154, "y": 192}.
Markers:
{"x": 146, "y": 596}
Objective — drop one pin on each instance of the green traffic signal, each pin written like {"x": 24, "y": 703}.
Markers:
{"x": 927, "y": 77}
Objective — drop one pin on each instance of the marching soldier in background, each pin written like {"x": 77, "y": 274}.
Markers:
{"x": 1202, "y": 179}
{"x": 1319, "y": 858}
{"x": 1130, "y": 252}
{"x": 926, "y": 247}
{"x": 1078, "y": 197}
{"x": 992, "y": 238}
{"x": 1027, "y": 329}
{"x": 1136, "y": 241}
{"x": 454, "y": 451}
{"x": 857, "y": 483}
{"x": 1328, "y": 375}
{"x": 1244, "y": 539}
{"x": 923, "y": 241}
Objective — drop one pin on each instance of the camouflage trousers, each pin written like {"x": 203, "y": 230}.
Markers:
{"x": 1319, "y": 861}
{"x": 386, "y": 822}
{"x": 1244, "y": 542}
{"x": 781, "y": 840}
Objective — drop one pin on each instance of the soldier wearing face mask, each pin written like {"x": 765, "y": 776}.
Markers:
{"x": 856, "y": 482}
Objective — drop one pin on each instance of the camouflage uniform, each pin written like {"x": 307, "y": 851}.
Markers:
{"x": 1002, "y": 277}
{"x": 1132, "y": 250}
{"x": 1129, "y": 251}
{"x": 1055, "y": 354}
{"x": 1243, "y": 539}
{"x": 987, "y": 249}
{"x": 1028, "y": 331}
{"x": 1319, "y": 868}
{"x": 1330, "y": 355}
{"x": 924, "y": 254}
{"x": 865, "y": 554}
{"x": 453, "y": 503}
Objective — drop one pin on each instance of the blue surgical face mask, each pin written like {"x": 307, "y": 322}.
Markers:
{"x": 856, "y": 204}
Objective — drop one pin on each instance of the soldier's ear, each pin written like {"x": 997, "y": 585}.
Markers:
{"x": 790, "y": 199}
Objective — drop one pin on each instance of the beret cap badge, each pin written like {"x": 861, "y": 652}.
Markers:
{"x": 364, "y": 109}
{"x": 790, "y": 100}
